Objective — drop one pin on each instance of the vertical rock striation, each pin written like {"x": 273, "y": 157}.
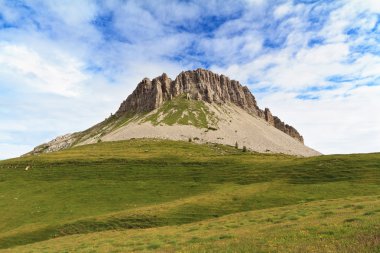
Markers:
{"x": 203, "y": 85}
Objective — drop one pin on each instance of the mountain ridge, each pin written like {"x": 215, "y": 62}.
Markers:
{"x": 199, "y": 84}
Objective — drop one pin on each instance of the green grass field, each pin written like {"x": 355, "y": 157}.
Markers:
{"x": 167, "y": 196}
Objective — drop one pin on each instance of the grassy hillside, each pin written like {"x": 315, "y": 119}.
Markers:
{"x": 177, "y": 196}
{"x": 183, "y": 111}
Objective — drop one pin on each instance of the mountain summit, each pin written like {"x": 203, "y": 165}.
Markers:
{"x": 197, "y": 105}
{"x": 201, "y": 85}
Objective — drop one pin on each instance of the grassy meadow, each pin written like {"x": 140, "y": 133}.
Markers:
{"x": 169, "y": 196}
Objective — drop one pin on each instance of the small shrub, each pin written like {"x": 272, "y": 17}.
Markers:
{"x": 190, "y": 140}
{"x": 194, "y": 239}
{"x": 153, "y": 246}
{"x": 99, "y": 140}
{"x": 236, "y": 145}
{"x": 244, "y": 149}
{"x": 221, "y": 237}
{"x": 351, "y": 220}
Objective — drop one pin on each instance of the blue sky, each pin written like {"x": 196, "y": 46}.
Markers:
{"x": 66, "y": 65}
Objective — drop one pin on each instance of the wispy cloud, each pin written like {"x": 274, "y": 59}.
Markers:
{"x": 59, "y": 74}
{"x": 66, "y": 65}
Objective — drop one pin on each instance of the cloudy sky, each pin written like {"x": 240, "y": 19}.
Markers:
{"x": 66, "y": 65}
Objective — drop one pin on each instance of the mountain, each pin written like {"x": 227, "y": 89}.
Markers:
{"x": 199, "y": 106}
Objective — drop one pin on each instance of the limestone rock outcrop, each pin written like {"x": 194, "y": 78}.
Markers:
{"x": 203, "y": 85}
{"x": 59, "y": 143}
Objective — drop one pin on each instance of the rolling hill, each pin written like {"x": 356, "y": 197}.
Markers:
{"x": 176, "y": 196}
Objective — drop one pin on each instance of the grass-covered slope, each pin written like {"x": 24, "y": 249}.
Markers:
{"x": 178, "y": 111}
{"x": 173, "y": 196}
{"x": 183, "y": 111}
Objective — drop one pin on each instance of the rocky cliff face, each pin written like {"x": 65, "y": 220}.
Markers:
{"x": 203, "y": 85}
{"x": 277, "y": 123}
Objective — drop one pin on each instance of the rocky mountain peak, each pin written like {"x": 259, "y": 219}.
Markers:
{"x": 199, "y": 84}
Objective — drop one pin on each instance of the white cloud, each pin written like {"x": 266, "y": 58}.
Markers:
{"x": 5, "y": 137}
{"x": 333, "y": 123}
{"x": 255, "y": 2}
{"x": 61, "y": 74}
{"x": 369, "y": 5}
{"x": 282, "y": 10}
{"x": 11, "y": 125}
{"x": 73, "y": 12}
